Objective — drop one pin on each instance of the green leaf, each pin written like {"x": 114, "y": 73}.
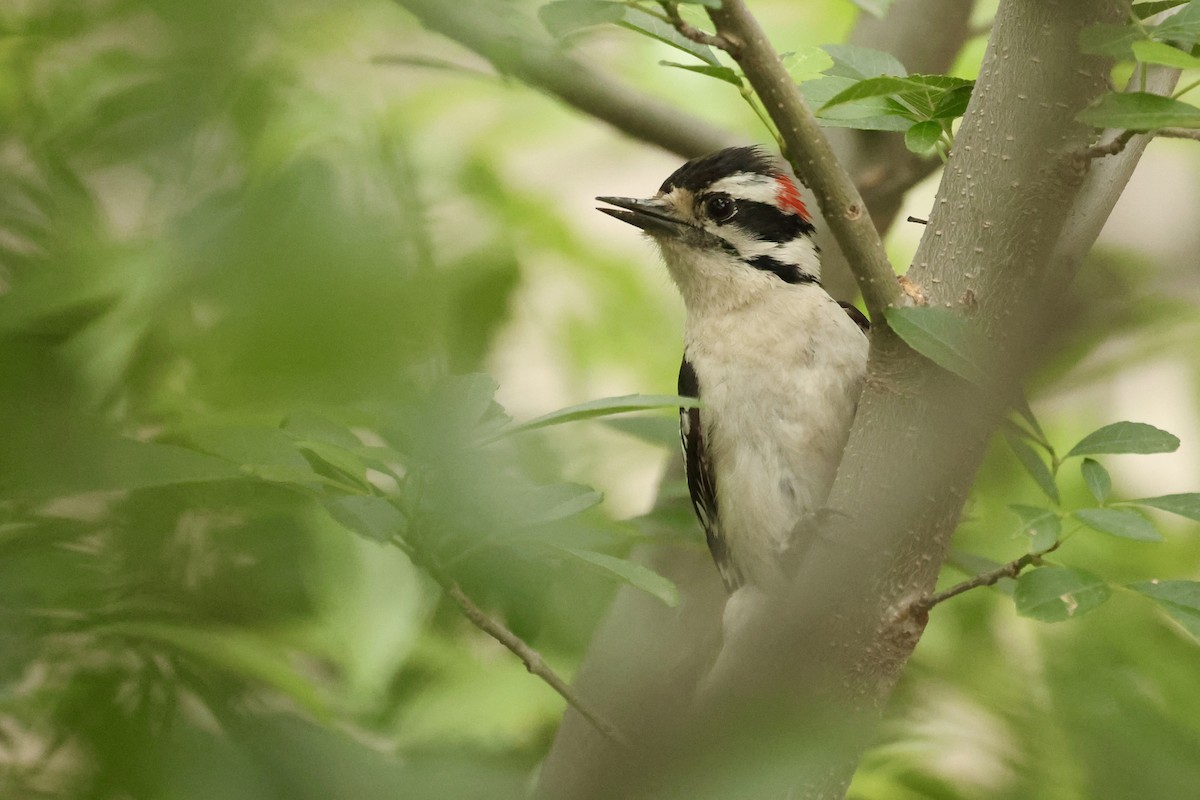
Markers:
{"x": 628, "y": 572}
{"x": 1183, "y": 26}
{"x": 119, "y": 464}
{"x": 1042, "y": 525}
{"x": 243, "y": 653}
{"x": 720, "y": 73}
{"x": 1185, "y": 505}
{"x": 465, "y": 400}
{"x": 923, "y": 137}
{"x": 881, "y": 86}
{"x": 658, "y": 431}
{"x": 1037, "y": 469}
{"x": 250, "y": 446}
{"x": 1123, "y": 522}
{"x": 1107, "y": 39}
{"x": 806, "y": 64}
{"x": 952, "y": 103}
{"x": 553, "y": 502}
{"x": 1054, "y": 594}
{"x": 1143, "y": 10}
{"x": 1097, "y": 479}
{"x": 655, "y": 28}
{"x": 876, "y": 113}
{"x": 1179, "y": 599}
{"x": 564, "y": 17}
{"x": 1125, "y": 437}
{"x": 942, "y": 336}
{"x": 853, "y": 61}
{"x": 1140, "y": 111}
{"x": 604, "y": 407}
{"x": 314, "y": 427}
{"x": 1021, "y": 406}
{"x": 1150, "y": 52}
{"x": 337, "y": 462}
{"x": 705, "y": 3}
{"x": 920, "y": 96}
{"x": 370, "y": 516}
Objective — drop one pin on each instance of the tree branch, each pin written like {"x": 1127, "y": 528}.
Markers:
{"x": 811, "y": 156}
{"x": 1178, "y": 133}
{"x": 532, "y": 659}
{"x": 1111, "y": 147}
{"x": 492, "y": 30}
{"x": 690, "y": 31}
{"x": 1010, "y": 570}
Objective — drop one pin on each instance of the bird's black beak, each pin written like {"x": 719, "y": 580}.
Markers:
{"x": 652, "y": 216}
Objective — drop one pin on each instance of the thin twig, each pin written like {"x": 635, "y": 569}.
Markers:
{"x": 810, "y": 155}
{"x": 1111, "y": 147}
{"x": 1010, "y": 570}
{"x": 531, "y": 658}
{"x": 690, "y": 31}
{"x": 1178, "y": 133}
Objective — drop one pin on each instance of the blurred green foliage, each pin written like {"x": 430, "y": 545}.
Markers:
{"x": 250, "y": 278}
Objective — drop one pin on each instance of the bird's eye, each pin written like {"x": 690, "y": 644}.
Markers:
{"x": 720, "y": 207}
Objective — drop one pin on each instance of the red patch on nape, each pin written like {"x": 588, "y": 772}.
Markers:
{"x": 789, "y": 199}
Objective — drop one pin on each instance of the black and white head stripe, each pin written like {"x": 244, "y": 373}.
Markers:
{"x": 701, "y": 173}
{"x": 750, "y": 202}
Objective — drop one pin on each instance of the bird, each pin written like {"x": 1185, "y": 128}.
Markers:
{"x": 776, "y": 363}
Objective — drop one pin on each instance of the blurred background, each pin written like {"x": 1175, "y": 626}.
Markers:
{"x": 273, "y": 278}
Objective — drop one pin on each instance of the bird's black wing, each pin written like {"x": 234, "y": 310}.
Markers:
{"x": 702, "y": 480}
{"x": 859, "y": 318}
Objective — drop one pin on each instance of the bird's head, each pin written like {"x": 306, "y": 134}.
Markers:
{"x": 730, "y": 226}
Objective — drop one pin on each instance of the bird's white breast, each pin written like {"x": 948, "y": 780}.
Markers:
{"x": 779, "y": 380}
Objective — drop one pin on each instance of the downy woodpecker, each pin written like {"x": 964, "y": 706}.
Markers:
{"x": 777, "y": 363}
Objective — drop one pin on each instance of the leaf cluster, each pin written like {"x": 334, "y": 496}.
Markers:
{"x": 1169, "y": 43}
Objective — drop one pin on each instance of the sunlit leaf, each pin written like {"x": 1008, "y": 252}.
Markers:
{"x": 807, "y": 63}
{"x": 1125, "y": 437}
{"x": 854, "y": 61}
{"x": 1151, "y": 52}
{"x": 1055, "y": 594}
